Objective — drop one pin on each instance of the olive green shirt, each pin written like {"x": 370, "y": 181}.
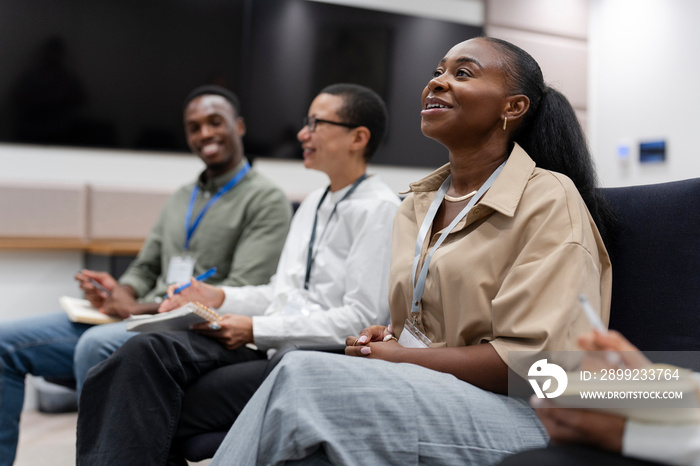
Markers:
{"x": 241, "y": 234}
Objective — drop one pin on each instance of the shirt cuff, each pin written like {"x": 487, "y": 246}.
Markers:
{"x": 139, "y": 287}
{"x": 267, "y": 332}
{"x": 665, "y": 443}
{"x": 229, "y": 304}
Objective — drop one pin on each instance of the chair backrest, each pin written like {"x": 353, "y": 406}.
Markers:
{"x": 656, "y": 265}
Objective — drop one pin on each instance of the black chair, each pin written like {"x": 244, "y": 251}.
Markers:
{"x": 656, "y": 275}
{"x": 656, "y": 265}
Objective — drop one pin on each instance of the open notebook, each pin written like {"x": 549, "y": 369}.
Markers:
{"x": 80, "y": 310}
{"x": 177, "y": 319}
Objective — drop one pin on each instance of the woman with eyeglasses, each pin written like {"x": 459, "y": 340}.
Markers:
{"x": 489, "y": 255}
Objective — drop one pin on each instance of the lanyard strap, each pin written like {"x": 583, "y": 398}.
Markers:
{"x": 191, "y": 227}
{"x": 419, "y": 285}
{"x": 310, "y": 256}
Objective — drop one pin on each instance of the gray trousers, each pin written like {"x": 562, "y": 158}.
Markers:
{"x": 319, "y": 408}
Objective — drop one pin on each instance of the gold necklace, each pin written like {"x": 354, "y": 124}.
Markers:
{"x": 460, "y": 198}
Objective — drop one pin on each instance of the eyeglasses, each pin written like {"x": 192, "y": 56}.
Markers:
{"x": 311, "y": 122}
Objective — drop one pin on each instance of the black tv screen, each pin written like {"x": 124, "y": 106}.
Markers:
{"x": 114, "y": 74}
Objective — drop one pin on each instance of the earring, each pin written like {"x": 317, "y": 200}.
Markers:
{"x": 505, "y": 122}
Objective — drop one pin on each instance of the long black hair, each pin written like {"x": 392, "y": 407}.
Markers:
{"x": 550, "y": 132}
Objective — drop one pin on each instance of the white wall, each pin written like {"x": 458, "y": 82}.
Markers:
{"x": 555, "y": 33}
{"x": 644, "y": 72}
{"x": 96, "y": 166}
{"x": 30, "y": 284}
{"x": 31, "y": 281}
{"x": 54, "y": 165}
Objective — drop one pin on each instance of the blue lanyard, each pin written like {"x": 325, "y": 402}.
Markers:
{"x": 310, "y": 257}
{"x": 419, "y": 285}
{"x": 191, "y": 227}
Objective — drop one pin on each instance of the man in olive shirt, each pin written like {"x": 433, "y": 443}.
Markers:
{"x": 231, "y": 218}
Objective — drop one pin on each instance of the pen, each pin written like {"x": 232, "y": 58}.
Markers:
{"x": 593, "y": 317}
{"x": 199, "y": 277}
{"x": 97, "y": 285}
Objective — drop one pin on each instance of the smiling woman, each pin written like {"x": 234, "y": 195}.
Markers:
{"x": 474, "y": 275}
{"x": 322, "y": 145}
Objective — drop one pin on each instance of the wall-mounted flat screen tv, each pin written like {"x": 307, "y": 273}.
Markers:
{"x": 113, "y": 74}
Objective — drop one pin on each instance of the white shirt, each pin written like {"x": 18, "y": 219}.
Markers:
{"x": 348, "y": 286}
{"x": 677, "y": 444}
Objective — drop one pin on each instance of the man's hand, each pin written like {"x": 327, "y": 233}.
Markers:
{"x": 235, "y": 331}
{"x": 580, "y": 426}
{"x": 96, "y": 296}
{"x": 209, "y": 295}
{"x": 122, "y": 303}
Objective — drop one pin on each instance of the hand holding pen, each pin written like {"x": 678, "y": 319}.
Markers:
{"x": 97, "y": 286}
{"x": 100, "y": 287}
{"x": 200, "y": 277}
{"x": 194, "y": 290}
{"x": 612, "y": 342}
{"x": 611, "y": 357}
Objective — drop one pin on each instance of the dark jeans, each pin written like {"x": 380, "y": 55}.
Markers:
{"x": 571, "y": 455}
{"x": 133, "y": 402}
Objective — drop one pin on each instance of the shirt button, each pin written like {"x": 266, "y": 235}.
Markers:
{"x": 477, "y": 211}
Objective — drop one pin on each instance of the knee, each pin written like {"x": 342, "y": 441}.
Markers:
{"x": 14, "y": 335}
{"x": 157, "y": 345}
{"x": 99, "y": 342}
{"x": 7, "y": 347}
{"x": 5, "y": 340}
{"x": 89, "y": 343}
{"x": 141, "y": 344}
{"x": 294, "y": 359}
{"x": 17, "y": 342}
{"x": 134, "y": 355}
{"x": 91, "y": 349}
{"x": 318, "y": 364}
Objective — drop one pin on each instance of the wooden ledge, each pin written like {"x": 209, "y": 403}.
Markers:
{"x": 102, "y": 246}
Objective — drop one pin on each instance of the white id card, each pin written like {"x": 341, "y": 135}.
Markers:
{"x": 411, "y": 337}
{"x": 180, "y": 269}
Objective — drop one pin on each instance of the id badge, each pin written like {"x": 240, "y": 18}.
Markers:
{"x": 411, "y": 337}
{"x": 180, "y": 269}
